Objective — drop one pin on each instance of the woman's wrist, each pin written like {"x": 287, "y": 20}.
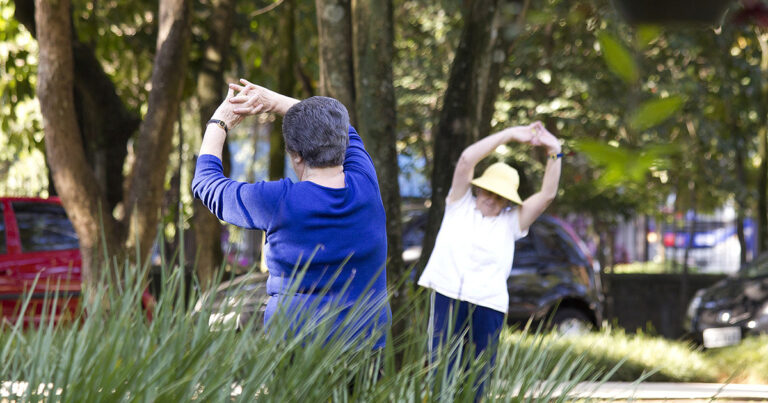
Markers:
{"x": 517, "y": 133}
{"x": 282, "y": 103}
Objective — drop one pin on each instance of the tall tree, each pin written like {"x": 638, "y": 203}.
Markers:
{"x": 373, "y": 33}
{"x": 76, "y": 183}
{"x": 286, "y": 57}
{"x": 762, "y": 189}
{"x": 359, "y": 73}
{"x": 105, "y": 122}
{"x": 334, "y": 26}
{"x": 210, "y": 84}
{"x": 460, "y": 118}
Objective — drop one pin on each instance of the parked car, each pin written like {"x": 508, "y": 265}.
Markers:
{"x": 553, "y": 278}
{"x": 732, "y": 309}
{"x": 39, "y": 259}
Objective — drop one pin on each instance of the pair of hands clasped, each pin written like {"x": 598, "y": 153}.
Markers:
{"x": 536, "y": 134}
{"x": 245, "y": 100}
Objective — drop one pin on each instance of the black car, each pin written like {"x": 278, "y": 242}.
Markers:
{"x": 553, "y": 277}
{"x": 733, "y": 308}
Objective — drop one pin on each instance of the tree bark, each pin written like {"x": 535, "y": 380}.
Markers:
{"x": 741, "y": 203}
{"x": 762, "y": 184}
{"x": 105, "y": 122}
{"x": 75, "y": 182}
{"x": 286, "y": 60}
{"x": 334, "y": 25}
{"x": 460, "y": 118}
{"x": 373, "y": 33}
{"x": 153, "y": 145}
{"x": 762, "y": 193}
{"x": 210, "y": 90}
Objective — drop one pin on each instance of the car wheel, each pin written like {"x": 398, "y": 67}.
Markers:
{"x": 571, "y": 321}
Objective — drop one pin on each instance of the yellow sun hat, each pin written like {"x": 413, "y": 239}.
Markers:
{"x": 501, "y": 179}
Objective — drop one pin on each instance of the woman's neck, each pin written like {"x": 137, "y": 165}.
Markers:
{"x": 332, "y": 177}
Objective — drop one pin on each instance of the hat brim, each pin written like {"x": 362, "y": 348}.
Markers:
{"x": 496, "y": 188}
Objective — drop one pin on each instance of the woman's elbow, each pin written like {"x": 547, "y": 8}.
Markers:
{"x": 464, "y": 162}
{"x": 549, "y": 196}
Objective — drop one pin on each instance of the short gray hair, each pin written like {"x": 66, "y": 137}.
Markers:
{"x": 316, "y": 129}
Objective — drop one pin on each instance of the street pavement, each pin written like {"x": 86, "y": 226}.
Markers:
{"x": 615, "y": 391}
{"x": 662, "y": 391}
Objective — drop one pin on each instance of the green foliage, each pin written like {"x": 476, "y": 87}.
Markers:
{"x": 653, "y": 112}
{"x": 618, "y": 59}
{"x": 426, "y": 34}
{"x": 22, "y": 163}
{"x": 625, "y": 165}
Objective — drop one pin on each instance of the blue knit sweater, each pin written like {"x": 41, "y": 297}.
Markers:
{"x": 339, "y": 233}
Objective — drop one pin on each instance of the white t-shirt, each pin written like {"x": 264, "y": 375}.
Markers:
{"x": 473, "y": 254}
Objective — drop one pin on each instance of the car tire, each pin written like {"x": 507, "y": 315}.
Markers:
{"x": 571, "y": 321}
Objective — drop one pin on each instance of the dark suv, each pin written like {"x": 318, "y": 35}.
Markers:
{"x": 552, "y": 277}
{"x": 733, "y": 308}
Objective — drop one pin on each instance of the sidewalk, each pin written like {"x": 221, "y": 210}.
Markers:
{"x": 660, "y": 391}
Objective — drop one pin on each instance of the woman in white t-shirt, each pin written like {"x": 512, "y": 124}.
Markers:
{"x": 473, "y": 253}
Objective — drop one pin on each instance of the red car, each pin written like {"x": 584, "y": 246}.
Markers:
{"x": 38, "y": 247}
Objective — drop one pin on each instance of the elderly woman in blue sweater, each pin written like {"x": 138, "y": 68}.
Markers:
{"x": 331, "y": 221}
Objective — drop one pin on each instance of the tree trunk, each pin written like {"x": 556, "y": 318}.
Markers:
{"x": 741, "y": 204}
{"x": 762, "y": 193}
{"x": 105, "y": 122}
{"x": 373, "y": 33}
{"x": 334, "y": 25}
{"x": 286, "y": 60}
{"x": 460, "y": 119}
{"x": 762, "y": 185}
{"x": 75, "y": 182}
{"x": 210, "y": 90}
{"x": 153, "y": 145}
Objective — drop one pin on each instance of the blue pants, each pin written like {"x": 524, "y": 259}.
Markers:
{"x": 482, "y": 325}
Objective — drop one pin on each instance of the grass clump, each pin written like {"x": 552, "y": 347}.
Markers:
{"x": 114, "y": 353}
{"x": 640, "y": 355}
{"x": 656, "y": 359}
{"x": 746, "y": 362}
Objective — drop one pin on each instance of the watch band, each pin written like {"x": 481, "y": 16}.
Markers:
{"x": 219, "y": 123}
{"x": 555, "y": 156}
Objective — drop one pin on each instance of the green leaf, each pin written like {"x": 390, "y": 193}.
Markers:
{"x": 654, "y": 111}
{"x": 622, "y": 165}
{"x": 647, "y": 34}
{"x": 618, "y": 58}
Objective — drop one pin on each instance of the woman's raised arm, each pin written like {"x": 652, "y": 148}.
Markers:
{"x": 465, "y": 167}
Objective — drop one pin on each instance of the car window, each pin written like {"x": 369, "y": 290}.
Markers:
{"x": 44, "y": 227}
{"x": 2, "y": 230}
{"x": 525, "y": 253}
{"x": 571, "y": 247}
{"x": 553, "y": 246}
